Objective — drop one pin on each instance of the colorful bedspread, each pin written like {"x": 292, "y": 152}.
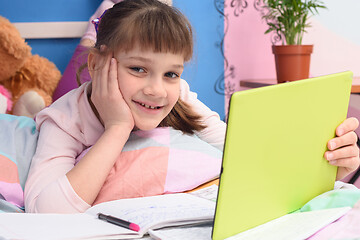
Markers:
{"x": 163, "y": 160}
{"x": 160, "y": 161}
{"x": 18, "y": 139}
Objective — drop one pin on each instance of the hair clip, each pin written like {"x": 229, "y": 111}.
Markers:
{"x": 96, "y": 21}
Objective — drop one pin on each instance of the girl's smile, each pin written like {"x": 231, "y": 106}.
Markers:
{"x": 149, "y": 109}
{"x": 149, "y": 106}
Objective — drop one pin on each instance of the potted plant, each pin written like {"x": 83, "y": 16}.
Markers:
{"x": 288, "y": 19}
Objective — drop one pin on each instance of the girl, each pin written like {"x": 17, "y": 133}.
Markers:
{"x": 135, "y": 67}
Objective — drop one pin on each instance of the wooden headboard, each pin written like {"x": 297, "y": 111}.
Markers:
{"x": 43, "y": 30}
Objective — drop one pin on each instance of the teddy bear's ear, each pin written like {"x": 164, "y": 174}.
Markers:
{"x": 11, "y": 40}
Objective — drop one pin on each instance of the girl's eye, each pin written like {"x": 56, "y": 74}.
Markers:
{"x": 138, "y": 69}
{"x": 171, "y": 75}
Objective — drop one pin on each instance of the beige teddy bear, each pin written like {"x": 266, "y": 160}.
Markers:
{"x": 30, "y": 79}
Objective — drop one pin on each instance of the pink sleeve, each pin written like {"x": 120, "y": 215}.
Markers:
{"x": 47, "y": 188}
{"x": 66, "y": 128}
{"x": 214, "y": 134}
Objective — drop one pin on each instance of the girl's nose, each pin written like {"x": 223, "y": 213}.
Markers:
{"x": 155, "y": 87}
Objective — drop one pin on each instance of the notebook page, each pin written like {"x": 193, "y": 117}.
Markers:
{"x": 293, "y": 226}
{"x": 159, "y": 211}
{"x": 55, "y": 226}
{"x": 180, "y": 233}
{"x": 209, "y": 193}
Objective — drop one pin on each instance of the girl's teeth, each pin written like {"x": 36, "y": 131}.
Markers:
{"x": 147, "y": 106}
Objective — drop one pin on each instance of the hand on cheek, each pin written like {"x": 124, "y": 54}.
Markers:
{"x": 343, "y": 150}
{"x": 107, "y": 97}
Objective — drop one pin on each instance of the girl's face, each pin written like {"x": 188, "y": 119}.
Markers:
{"x": 149, "y": 83}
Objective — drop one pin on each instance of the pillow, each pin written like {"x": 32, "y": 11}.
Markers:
{"x": 162, "y": 160}
{"x": 18, "y": 139}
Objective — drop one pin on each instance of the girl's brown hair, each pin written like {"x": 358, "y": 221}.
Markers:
{"x": 154, "y": 25}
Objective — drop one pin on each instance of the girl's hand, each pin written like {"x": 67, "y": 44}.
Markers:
{"x": 343, "y": 150}
{"x": 106, "y": 95}
{"x": 107, "y": 102}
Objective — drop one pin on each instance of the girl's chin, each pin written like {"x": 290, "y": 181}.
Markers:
{"x": 145, "y": 127}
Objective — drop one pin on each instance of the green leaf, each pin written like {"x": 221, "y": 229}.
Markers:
{"x": 288, "y": 18}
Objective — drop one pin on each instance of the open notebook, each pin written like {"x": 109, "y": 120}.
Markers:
{"x": 273, "y": 156}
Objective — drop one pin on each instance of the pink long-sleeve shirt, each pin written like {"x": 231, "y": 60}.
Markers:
{"x": 68, "y": 127}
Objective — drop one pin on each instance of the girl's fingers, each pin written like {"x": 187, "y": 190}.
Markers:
{"x": 350, "y": 163}
{"x": 349, "y": 138}
{"x": 346, "y": 166}
{"x": 344, "y": 152}
{"x": 346, "y": 158}
{"x": 113, "y": 84}
{"x": 103, "y": 83}
{"x": 98, "y": 70}
{"x": 100, "y": 74}
{"x": 349, "y": 125}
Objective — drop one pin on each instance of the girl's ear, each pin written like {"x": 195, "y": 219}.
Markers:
{"x": 91, "y": 63}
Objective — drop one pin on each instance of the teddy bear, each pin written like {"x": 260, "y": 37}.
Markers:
{"x": 27, "y": 81}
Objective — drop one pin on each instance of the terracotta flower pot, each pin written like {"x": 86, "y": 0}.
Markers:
{"x": 292, "y": 62}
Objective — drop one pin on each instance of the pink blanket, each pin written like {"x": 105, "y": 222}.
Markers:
{"x": 163, "y": 160}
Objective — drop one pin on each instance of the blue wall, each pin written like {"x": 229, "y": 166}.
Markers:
{"x": 208, "y": 63}
{"x": 201, "y": 73}
{"x": 59, "y": 51}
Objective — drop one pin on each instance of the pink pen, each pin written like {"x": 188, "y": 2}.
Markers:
{"x": 119, "y": 222}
